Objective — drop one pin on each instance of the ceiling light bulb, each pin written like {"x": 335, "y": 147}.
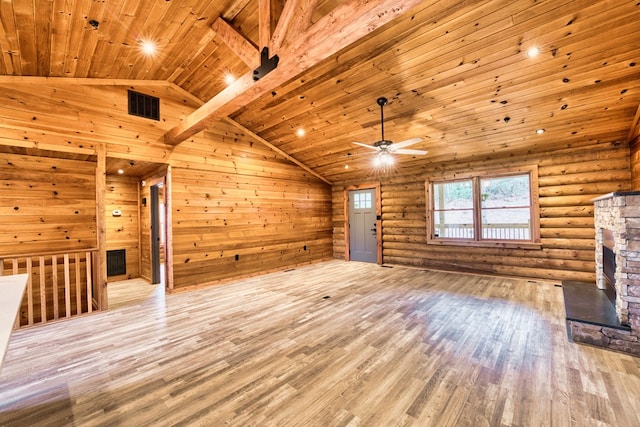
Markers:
{"x": 229, "y": 78}
{"x": 346, "y": 166}
{"x": 533, "y": 51}
{"x": 300, "y": 132}
{"x": 148, "y": 48}
{"x": 120, "y": 171}
{"x": 540, "y": 131}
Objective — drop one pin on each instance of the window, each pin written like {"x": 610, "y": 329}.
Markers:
{"x": 362, "y": 201}
{"x": 497, "y": 208}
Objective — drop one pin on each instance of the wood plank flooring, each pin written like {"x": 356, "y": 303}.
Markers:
{"x": 331, "y": 344}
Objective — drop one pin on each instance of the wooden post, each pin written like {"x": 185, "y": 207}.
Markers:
{"x": 101, "y": 264}
{"x": 168, "y": 244}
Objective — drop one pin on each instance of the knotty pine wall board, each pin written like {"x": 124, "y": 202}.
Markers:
{"x": 123, "y": 231}
{"x": 46, "y": 204}
{"x": 231, "y": 195}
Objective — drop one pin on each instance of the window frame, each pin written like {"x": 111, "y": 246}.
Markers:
{"x": 477, "y": 240}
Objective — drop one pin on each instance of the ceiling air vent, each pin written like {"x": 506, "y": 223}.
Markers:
{"x": 144, "y": 105}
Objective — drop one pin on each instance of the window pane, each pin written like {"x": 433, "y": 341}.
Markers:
{"x": 453, "y": 210}
{"x": 453, "y": 224}
{"x": 506, "y": 224}
{"x": 505, "y": 204}
{"x": 453, "y": 195}
{"x": 508, "y": 191}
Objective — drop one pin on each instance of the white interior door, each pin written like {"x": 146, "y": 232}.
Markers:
{"x": 362, "y": 225}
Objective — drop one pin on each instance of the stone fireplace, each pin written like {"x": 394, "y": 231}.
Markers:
{"x": 617, "y": 223}
{"x": 617, "y": 256}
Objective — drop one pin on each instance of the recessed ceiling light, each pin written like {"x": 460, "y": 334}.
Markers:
{"x": 120, "y": 171}
{"x": 147, "y": 47}
{"x": 540, "y": 131}
{"x": 533, "y": 51}
{"x": 346, "y": 166}
{"x": 229, "y": 78}
{"x": 300, "y": 132}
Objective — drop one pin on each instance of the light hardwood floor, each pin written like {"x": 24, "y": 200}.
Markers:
{"x": 389, "y": 346}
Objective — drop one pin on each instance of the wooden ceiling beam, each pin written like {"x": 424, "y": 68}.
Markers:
{"x": 264, "y": 23}
{"x": 343, "y": 26}
{"x": 243, "y": 48}
{"x": 235, "y": 9}
{"x": 302, "y": 10}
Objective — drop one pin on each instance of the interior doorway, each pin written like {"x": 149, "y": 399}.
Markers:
{"x": 136, "y": 202}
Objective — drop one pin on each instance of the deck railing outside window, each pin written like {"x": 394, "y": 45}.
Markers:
{"x": 489, "y": 231}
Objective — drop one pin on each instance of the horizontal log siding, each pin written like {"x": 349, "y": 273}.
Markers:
{"x": 568, "y": 180}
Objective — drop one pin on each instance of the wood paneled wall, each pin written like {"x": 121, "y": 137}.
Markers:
{"x": 244, "y": 210}
{"x": 568, "y": 180}
{"x": 46, "y": 204}
{"x": 123, "y": 231}
{"x": 232, "y": 195}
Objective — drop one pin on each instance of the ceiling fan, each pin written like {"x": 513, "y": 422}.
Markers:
{"x": 385, "y": 147}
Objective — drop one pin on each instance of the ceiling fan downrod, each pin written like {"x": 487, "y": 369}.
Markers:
{"x": 382, "y": 101}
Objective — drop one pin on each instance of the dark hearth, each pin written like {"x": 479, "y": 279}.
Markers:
{"x": 615, "y": 297}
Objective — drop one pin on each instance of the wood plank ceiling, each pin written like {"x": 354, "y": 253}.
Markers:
{"x": 456, "y": 73}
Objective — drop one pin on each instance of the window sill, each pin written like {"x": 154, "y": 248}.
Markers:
{"x": 485, "y": 243}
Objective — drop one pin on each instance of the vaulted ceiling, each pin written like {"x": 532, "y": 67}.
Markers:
{"x": 456, "y": 73}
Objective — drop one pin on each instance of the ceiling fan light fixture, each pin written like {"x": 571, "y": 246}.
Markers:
{"x": 383, "y": 159}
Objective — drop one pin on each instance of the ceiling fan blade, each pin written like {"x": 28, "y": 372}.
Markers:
{"x": 403, "y": 144}
{"x": 366, "y": 146}
{"x": 405, "y": 151}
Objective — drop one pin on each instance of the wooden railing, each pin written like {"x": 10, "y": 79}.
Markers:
{"x": 60, "y": 285}
{"x": 489, "y": 231}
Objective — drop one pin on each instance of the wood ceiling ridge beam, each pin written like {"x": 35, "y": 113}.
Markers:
{"x": 345, "y": 25}
{"x": 276, "y": 149}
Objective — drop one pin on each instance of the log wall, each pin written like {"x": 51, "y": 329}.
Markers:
{"x": 122, "y": 193}
{"x": 568, "y": 180}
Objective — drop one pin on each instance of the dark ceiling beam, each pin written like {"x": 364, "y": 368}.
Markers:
{"x": 343, "y": 26}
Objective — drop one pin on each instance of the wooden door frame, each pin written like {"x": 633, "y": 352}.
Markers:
{"x": 163, "y": 175}
{"x": 347, "y": 231}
